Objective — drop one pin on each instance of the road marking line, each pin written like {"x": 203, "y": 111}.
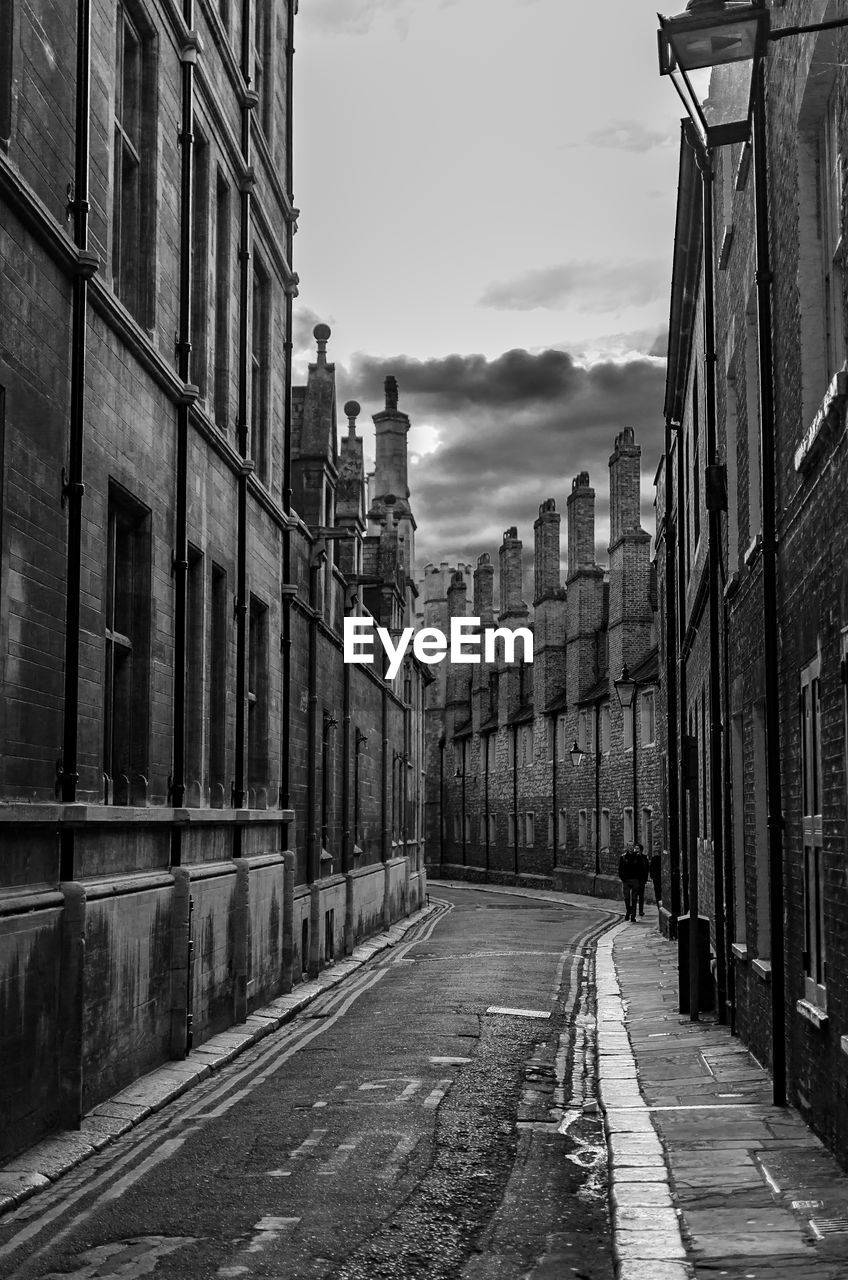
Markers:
{"x": 266, "y": 1231}
{"x": 435, "y": 1096}
{"x": 411, "y": 1089}
{"x": 308, "y": 1143}
{"x": 518, "y": 1013}
{"x": 338, "y": 1160}
{"x": 449, "y": 1062}
{"x": 405, "y": 1147}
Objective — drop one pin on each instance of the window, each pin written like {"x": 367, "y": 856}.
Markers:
{"x": 199, "y": 269}
{"x": 696, "y": 461}
{"x": 6, "y": 60}
{"x": 257, "y": 697}
{"x": 815, "y": 971}
{"x": 628, "y": 826}
{"x": 132, "y": 197}
{"x": 529, "y": 829}
{"x": 752, "y": 414}
{"x": 512, "y": 831}
{"x": 820, "y": 271}
{"x": 583, "y": 735}
{"x": 605, "y": 828}
{"x": 259, "y": 371}
{"x": 491, "y": 751}
{"x": 604, "y": 727}
{"x": 551, "y": 835}
{"x": 217, "y": 659}
{"x": 562, "y": 740}
{"x": 648, "y": 723}
{"x": 593, "y": 826}
{"x": 582, "y": 828}
{"x": 194, "y": 677}
{"x": 222, "y": 302}
{"x": 737, "y": 808}
{"x": 627, "y": 728}
{"x": 457, "y": 828}
{"x": 758, "y": 819}
{"x": 830, "y": 205}
{"x": 646, "y": 833}
{"x": 127, "y": 635}
{"x": 262, "y": 65}
{"x": 493, "y": 828}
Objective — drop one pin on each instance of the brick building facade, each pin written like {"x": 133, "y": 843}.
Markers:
{"x": 505, "y": 800}
{"x": 766, "y": 806}
{"x": 198, "y": 799}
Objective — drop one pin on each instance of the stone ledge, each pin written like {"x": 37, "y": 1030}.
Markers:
{"x": 813, "y": 1014}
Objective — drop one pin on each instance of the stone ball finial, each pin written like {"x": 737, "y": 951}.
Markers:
{"x": 321, "y": 332}
{"x": 351, "y": 410}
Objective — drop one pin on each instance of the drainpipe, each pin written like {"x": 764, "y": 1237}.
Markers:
{"x": 312, "y": 852}
{"x": 768, "y": 488}
{"x": 347, "y": 842}
{"x": 554, "y": 784}
{"x": 385, "y": 850}
{"x": 485, "y": 744}
{"x": 188, "y": 57}
{"x": 73, "y": 487}
{"x": 441, "y": 803}
{"x": 672, "y": 741}
{"x": 714, "y": 486}
{"x": 729, "y": 885}
{"x": 246, "y": 186}
{"x": 288, "y": 591}
{"x": 515, "y": 794}
{"x": 598, "y": 789}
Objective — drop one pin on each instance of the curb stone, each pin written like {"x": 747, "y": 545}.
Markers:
{"x": 647, "y": 1239}
{"x": 49, "y": 1159}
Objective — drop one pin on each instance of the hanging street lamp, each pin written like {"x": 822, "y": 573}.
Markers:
{"x": 711, "y": 52}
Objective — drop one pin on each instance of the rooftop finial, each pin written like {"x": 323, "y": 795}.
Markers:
{"x": 391, "y": 392}
{"x": 321, "y": 333}
{"x": 352, "y": 409}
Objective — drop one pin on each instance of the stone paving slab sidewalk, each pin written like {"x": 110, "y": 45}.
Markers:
{"x": 54, "y": 1156}
{"x": 708, "y": 1178}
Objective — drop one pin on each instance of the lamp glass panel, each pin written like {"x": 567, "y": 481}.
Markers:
{"x": 714, "y": 45}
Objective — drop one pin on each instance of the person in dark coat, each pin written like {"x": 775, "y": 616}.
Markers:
{"x": 656, "y": 877}
{"x": 643, "y": 872}
{"x": 628, "y": 874}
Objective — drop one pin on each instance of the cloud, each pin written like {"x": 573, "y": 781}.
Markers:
{"x": 629, "y": 135}
{"x": 512, "y": 432}
{"x": 585, "y": 285}
{"x": 352, "y": 17}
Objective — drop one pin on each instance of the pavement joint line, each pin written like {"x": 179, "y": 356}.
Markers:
{"x": 55, "y": 1155}
{"x": 632, "y": 1248}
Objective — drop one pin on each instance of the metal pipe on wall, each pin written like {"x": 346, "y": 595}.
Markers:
{"x": 286, "y": 603}
{"x": 73, "y": 488}
{"x": 177, "y": 786}
{"x": 768, "y": 489}
{"x": 714, "y": 505}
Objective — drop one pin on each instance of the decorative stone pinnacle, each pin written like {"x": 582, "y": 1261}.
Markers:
{"x": 321, "y": 334}
{"x": 391, "y": 392}
{"x": 352, "y": 409}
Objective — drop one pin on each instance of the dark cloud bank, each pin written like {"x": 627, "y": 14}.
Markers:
{"x": 513, "y": 431}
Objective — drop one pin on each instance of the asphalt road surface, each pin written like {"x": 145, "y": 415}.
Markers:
{"x": 431, "y": 1117}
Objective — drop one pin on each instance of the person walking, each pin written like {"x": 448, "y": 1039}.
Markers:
{"x": 628, "y": 874}
{"x": 656, "y": 877}
{"x": 643, "y": 871}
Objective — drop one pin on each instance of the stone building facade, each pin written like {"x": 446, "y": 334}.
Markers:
{"x": 508, "y": 799}
{"x": 199, "y": 800}
{"x": 760, "y": 802}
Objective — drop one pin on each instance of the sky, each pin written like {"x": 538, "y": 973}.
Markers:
{"x": 486, "y": 193}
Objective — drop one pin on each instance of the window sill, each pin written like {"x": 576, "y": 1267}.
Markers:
{"x": 813, "y": 1014}
{"x": 740, "y": 951}
{"x": 762, "y": 968}
{"x": 828, "y": 413}
{"x": 753, "y": 551}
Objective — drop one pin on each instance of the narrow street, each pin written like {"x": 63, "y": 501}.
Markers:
{"x": 431, "y": 1117}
